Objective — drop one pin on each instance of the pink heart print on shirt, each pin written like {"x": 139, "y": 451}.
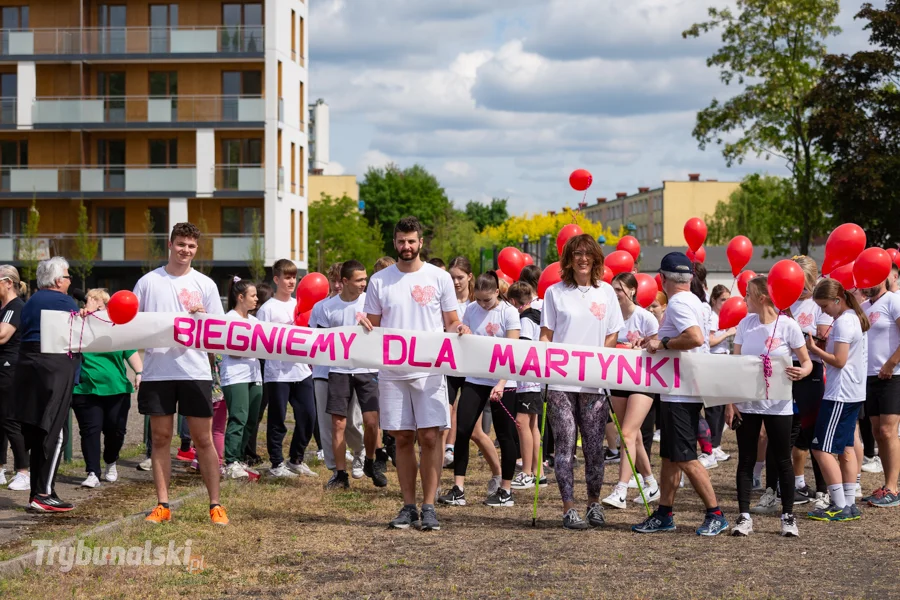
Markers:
{"x": 873, "y": 317}
{"x": 598, "y": 310}
{"x": 633, "y": 337}
{"x": 773, "y": 343}
{"x": 190, "y": 300}
{"x": 423, "y": 295}
{"x": 492, "y": 328}
{"x": 805, "y": 320}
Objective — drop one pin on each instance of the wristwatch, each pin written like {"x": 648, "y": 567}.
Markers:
{"x": 665, "y": 343}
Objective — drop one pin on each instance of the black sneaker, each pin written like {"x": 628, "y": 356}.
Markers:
{"x": 456, "y": 497}
{"x": 429, "y": 520}
{"x": 52, "y": 503}
{"x": 374, "y": 469}
{"x": 595, "y": 516}
{"x": 406, "y": 518}
{"x": 500, "y": 498}
{"x": 542, "y": 482}
{"x": 801, "y": 495}
{"x": 339, "y": 481}
{"x": 571, "y": 520}
{"x": 610, "y": 457}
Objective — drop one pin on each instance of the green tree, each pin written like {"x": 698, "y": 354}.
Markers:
{"x": 774, "y": 50}
{"x": 256, "y": 258}
{"x": 342, "y": 233}
{"x": 857, "y": 122}
{"x": 86, "y": 246}
{"x": 751, "y": 210}
{"x": 392, "y": 193}
{"x": 154, "y": 247}
{"x": 28, "y": 245}
{"x": 487, "y": 215}
{"x": 455, "y": 235}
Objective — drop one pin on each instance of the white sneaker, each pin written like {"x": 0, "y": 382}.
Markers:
{"x": 282, "y": 471}
{"x": 356, "y": 467}
{"x": 789, "y": 526}
{"x": 657, "y": 435}
{"x": 720, "y": 455}
{"x": 145, "y": 465}
{"x": 632, "y": 484}
{"x": 448, "y": 457}
{"x": 615, "y": 500}
{"x": 823, "y": 500}
{"x": 236, "y": 470}
{"x": 858, "y": 493}
{"x": 494, "y": 485}
{"x": 348, "y": 456}
{"x": 301, "y": 469}
{"x": 652, "y": 496}
{"x": 320, "y": 455}
{"x": 743, "y": 527}
{"x": 768, "y": 503}
{"x": 523, "y": 481}
{"x": 112, "y": 473}
{"x": 21, "y": 482}
{"x": 872, "y": 465}
{"x": 92, "y": 481}
{"x": 708, "y": 461}
{"x": 2, "y": 476}
{"x": 757, "y": 483}
{"x": 681, "y": 483}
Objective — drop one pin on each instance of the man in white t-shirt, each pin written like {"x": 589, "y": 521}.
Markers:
{"x": 287, "y": 383}
{"x": 413, "y": 406}
{"x": 179, "y": 379}
{"x": 682, "y": 329}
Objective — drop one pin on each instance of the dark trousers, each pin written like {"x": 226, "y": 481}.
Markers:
{"x": 472, "y": 401}
{"x": 867, "y": 437}
{"x": 43, "y": 464}
{"x": 11, "y": 436}
{"x": 715, "y": 416}
{"x": 250, "y": 452}
{"x": 101, "y": 414}
{"x": 648, "y": 427}
{"x": 778, "y": 430}
{"x": 300, "y": 395}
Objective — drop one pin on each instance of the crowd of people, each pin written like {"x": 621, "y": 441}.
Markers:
{"x": 844, "y": 344}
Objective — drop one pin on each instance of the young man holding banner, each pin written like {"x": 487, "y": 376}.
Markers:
{"x": 417, "y": 296}
{"x": 681, "y": 329}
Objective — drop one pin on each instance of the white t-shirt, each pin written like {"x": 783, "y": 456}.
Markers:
{"x": 337, "y": 313}
{"x": 276, "y": 311}
{"x": 847, "y": 384}
{"x": 755, "y": 339}
{"x": 641, "y": 324}
{"x": 809, "y": 316}
{"x": 883, "y": 334}
{"x": 721, "y": 347}
{"x": 461, "y": 309}
{"x": 238, "y": 369}
{"x": 416, "y": 301}
{"x": 707, "y": 325}
{"x": 530, "y": 331}
{"x": 315, "y": 320}
{"x": 491, "y": 323}
{"x": 537, "y": 303}
{"x": 581, "y": 318}
{"x": 157, "y": 291}
{"x": 683, "y": 312}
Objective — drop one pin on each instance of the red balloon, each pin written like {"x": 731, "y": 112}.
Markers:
{"x": 619, "y": 262}
{"x": 871, "y": 267}
{"x": 785, "y": 283}
{"x": 697, "y": 257}
{"x": 843, "y": 246}
{"x": 658, "y": 280}
{"x": 504, "y": 277}
{"x": 302, "y": 319}
{"x": 567, "y": 232}
{"x": 122, "y": 307}
{"x": 528, "y": 260}
{"x": 312, "y": 288}
{"x": 646, "y": 290}
{"x": 732, "y": 312}
{"x": 607, "y": 274}
{"x": 844, "y": 274}
{"x": 694, "y": 233}
{"x": 511, "y": 261}
{"x": 740, "y": 251}
{"x": 549, "y": 276}
{"x": 742, "y": 281}
{"x": 630, "y": 245}
{"x": 895, "y": 255}
{"x": 580, "y": 179}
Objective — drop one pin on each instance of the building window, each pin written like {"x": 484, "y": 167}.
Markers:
{"x": 111, "y": 156}
{"x": 300, "y": 242}
{"x": 242, "y": 152}
{"x": 112, "y": 20}
{"x": 163, "y": 18}
{"x": 163, "y": 153}
{"x": 13, "y": 17}
{"x": 294, "y": 35}
{"x": 111, "y": 85}
{"x": 302, "y": 39}
{"x": 159, "y": 215}
{"x": 111, "y": 220}
{"x": 13, "y": 220}
{"x": 293, "y": 234}
{"x": 163, "y": 83}
{"x": 240, "y": 220}
{"x": 242, "y": 31}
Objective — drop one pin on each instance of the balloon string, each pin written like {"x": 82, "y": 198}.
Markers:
{"x": 766, "y": 360}
{"x": 506, "y": 410}
{"x": 734, "y": 281}
{"x": 72, "y": 316}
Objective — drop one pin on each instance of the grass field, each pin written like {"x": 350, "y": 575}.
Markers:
{"x": 295, "y": 539}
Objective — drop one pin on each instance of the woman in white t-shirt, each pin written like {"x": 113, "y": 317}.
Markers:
{"x": 583, "y": 310}
{"x": 845, "y": 358}
{"x": 632, "y": 407}
{"x": 241, "y": 380}
{"x": 718, "y": 338}
{"x": 764, "y": 332}
{"x": 460, "y": 270}
{"x": 489, "y": 315}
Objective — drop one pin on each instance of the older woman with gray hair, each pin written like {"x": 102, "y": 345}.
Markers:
{"x": 43, "y": 386}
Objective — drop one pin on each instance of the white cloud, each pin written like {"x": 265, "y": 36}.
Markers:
{"x": 334, "y": 168}
{"x": 374, "y": 159}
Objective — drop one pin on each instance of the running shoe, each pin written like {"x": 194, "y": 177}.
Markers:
{"x": 713, "y": 525}
{"x": 657, "y": 436}
{"x": 2, "y": 476}
{"x": 789, "y": 526}
{"x": 236, "y": 470}
{"x": 500, "y": 498}
{"x": 92, "y": 481}
{"x": 858, "y": 491}
{"x": 21, "y": 482}
{"x": 802, "y": 495}
{"x": 112, "y": 473}
{"x": 218, "y": 516}
{"x": 855, "y": 512}
{"x": 872, "y": 465}
{"x": 875, "y": 495}
{"x": 429, "y": 521}
{"x": 448, "y": 458}
{"x": 655, "y": 524}
{"x": 595, "y": 516}
{"x": 887, "y": 500}
{"x": 571, "y": 520}
{"x": 158, "y": 515}
{"x": 708, "y": 461}
{"x": 300, "y": 469}
{"x": 320, "y": 455}
{"x": 768, "y": 503}
{"x": 374, "y": 469}
{"x": 145, "y": 465}
{"x": 188, "y": 455}
{"x": 456, "y": 497}
{"x": 339, "y": 481}
{"x": 720, "y": 455}
{"x": 493, "y": 485}
{"x": 632, "y": 484}
{"x": 652, "y": 496}
{"x": 282, "y": 471}
{"x": 408, "y": 516}
{"x": 616, "y": 499}
{"x": 356, "y": 467}
{"x": 542, "y": 482}
{"x": 822, "y": 501}
{"x": 523, "y": 481}
{"x": 832, "y": 513}
{"x": 610, "y": 456}
{"x": 52, "y": 503}
{"x": 742, "y": 527}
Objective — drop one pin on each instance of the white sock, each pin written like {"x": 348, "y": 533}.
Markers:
{"x": 859, "y": 478}
{"x": 650, "y": 482}
{"x": 850, "y": 493}
{"x": 448, "y": 447}
{"x": 758, "y": 469}
{"x": 746, "y": 516}
{"x": 799, "y": 481}
{"x": 621, "y": 488}
{"x": 836, "y": 492}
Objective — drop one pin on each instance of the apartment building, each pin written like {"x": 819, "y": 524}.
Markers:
{"x": 192, "y": 110}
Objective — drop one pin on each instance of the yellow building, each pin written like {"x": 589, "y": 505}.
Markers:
{"x": 336, "y": 186}
{"x": 657, "y": 216}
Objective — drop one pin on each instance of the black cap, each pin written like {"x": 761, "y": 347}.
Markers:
{"x": 676, "y": 262}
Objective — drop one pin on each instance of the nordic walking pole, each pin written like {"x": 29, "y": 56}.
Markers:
{"x": 630, "y": 462}
{"x": 540, "y": 467}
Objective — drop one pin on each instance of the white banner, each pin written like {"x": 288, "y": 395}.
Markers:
{"x": 716, "y": 379}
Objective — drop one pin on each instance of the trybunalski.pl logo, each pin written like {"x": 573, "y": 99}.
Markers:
{"x": 148, "y": 555}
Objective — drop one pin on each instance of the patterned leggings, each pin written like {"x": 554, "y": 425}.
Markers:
{"x": 570, "y": 412}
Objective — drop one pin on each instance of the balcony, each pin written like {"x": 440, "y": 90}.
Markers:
{"x": 133, "y": 43}
{"x": 148, "y": 112}
{"x": 239, "y": 180}
{"x": 8, "y": 118}
{"x": 96, "y": 181}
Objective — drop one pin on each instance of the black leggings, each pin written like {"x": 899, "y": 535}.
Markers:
{"x": 715, "y": 416}
{"x": 807, "y": 394}
{"x": 867, "y": 437}
{"x": 648, "y": 427}
{"x": 472, "y": 400}
{"x": 778, "y": 429}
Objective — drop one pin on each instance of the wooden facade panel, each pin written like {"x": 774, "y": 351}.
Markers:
{"x": 210, "y": 210}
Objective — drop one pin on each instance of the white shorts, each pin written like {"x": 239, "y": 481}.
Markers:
{"x": 411, "y": 404}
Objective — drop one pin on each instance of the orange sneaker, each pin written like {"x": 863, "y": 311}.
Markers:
{"x": 218, "y": 515}
{"x": 159, "y": 514}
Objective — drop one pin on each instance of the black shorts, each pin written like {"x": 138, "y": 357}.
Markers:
{"x": 454, "y": 385}
{"x": 678, "y": 430}
{"x": 882, "y": 396}
{"x": 529, "y": 403}
{"x": 188, "y": 398}
{"x": 621, "y": 393}
{"x": 341, "y": 387}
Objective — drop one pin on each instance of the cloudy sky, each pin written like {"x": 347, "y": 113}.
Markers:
{"x": 504, "y": 98}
